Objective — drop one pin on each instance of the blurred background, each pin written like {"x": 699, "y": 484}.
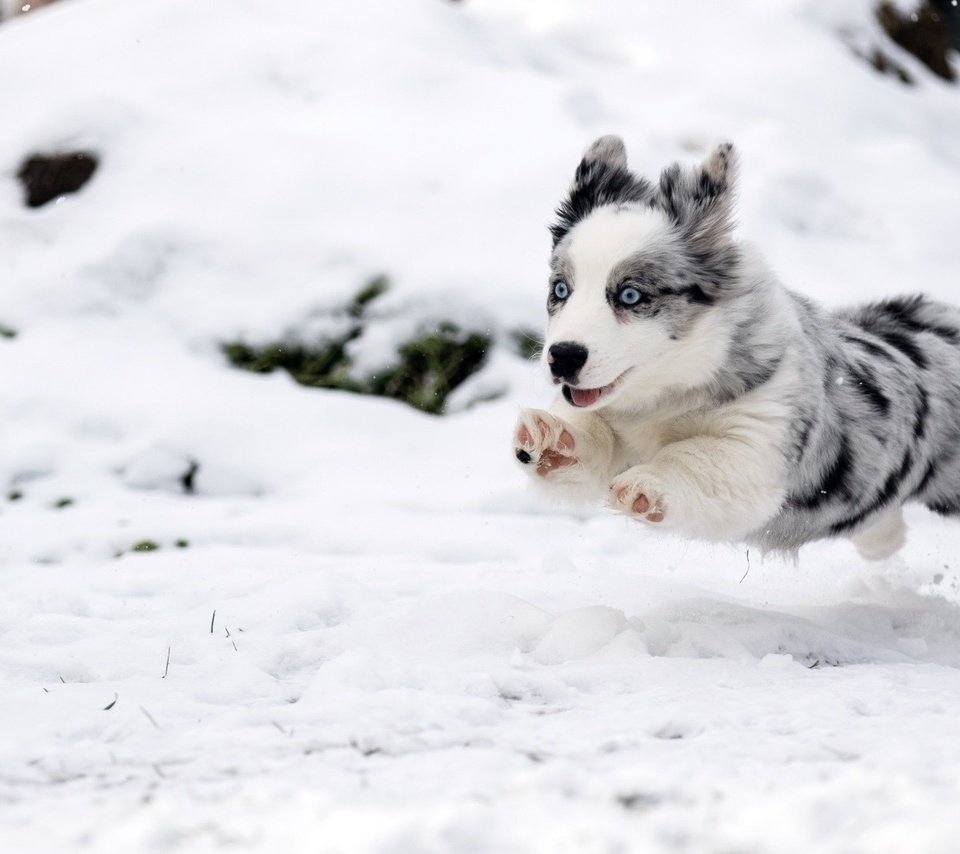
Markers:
{"x": 272, "y": 278}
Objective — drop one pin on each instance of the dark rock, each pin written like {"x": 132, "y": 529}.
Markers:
{"x": 188, "y": 478}
{"x": 930, "y": 33}
{"x": 46, "y": 177}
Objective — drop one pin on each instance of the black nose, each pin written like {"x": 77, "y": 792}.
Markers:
{"x": 566, "y": 359}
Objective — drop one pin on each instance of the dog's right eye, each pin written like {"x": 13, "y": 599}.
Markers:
{"x": 560, "y": 290}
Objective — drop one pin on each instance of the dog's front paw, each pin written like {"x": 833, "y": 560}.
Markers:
{"x": 544, "y": 442}
{"x": 640, "y": 495}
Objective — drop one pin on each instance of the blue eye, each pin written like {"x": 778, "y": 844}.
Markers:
{"x": 560, "y": 290}
{"x": 630, "y": 296}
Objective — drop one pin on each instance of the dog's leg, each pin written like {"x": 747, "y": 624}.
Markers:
{"x": 573, "y": 454}
{"x": 883, "y": 538}
{"x": 708, "y": 487}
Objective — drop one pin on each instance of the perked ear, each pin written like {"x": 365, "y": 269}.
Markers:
{"x": 608, "y": 151}
{"x": 602, "y": 178}
{"x": 701, "y": 200}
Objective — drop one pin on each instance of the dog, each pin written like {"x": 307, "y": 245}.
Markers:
{"x": 702, "y": 397}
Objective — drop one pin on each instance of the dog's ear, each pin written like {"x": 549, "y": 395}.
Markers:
{"x": 608, "y": 152}
{"x": 700, "y": 200}
{"x": 602, "y": 178}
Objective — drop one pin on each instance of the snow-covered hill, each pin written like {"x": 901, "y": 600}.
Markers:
{"x": 409, "y": 653}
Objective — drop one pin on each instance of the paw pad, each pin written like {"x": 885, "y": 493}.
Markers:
{"x": 637, "y": 501}
{"x": 544, "y": 440}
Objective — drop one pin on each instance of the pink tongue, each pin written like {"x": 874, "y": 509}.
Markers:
{"x": 585, "y": 396}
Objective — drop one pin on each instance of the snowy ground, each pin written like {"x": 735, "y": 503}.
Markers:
{"x": 409, "y": 652}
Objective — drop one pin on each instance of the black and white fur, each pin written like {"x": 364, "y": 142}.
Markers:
{"x": 701, "y": 396}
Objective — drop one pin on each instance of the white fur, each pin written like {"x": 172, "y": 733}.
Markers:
{"x": 643, "y": 348}
{"x": 715, "y": 474}
{"x": 884, "y": 538}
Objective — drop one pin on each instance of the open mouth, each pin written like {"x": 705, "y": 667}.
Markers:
{"x": 582, "y": 397}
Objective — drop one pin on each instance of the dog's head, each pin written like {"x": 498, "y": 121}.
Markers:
{"x": 637, "y": 274}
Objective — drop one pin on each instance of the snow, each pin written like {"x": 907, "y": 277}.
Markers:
{"x": 411, "y": 651}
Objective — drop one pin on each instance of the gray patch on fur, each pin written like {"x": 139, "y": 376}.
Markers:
{"x": 670, "y": 287}
{"x": 882, "y": 426}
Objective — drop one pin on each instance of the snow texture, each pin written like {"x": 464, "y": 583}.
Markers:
{"x": 409, "y": 653}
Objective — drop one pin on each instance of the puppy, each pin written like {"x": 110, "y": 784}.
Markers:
{"x": 700, "y": 396}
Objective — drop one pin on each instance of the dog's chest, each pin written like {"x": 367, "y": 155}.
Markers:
{"x": 639, "y": 439}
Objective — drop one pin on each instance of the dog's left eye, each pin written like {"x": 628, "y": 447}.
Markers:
{"x": 561, "y": 291}
{"x": 630, "y": 296}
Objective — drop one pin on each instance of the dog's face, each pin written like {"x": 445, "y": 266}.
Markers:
{"x": 636, "y": 276}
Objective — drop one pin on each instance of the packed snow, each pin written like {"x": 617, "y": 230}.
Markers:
{"x": 356, "y": 629}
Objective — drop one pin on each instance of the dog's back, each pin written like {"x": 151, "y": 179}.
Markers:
{"x": 879, "y": 422}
